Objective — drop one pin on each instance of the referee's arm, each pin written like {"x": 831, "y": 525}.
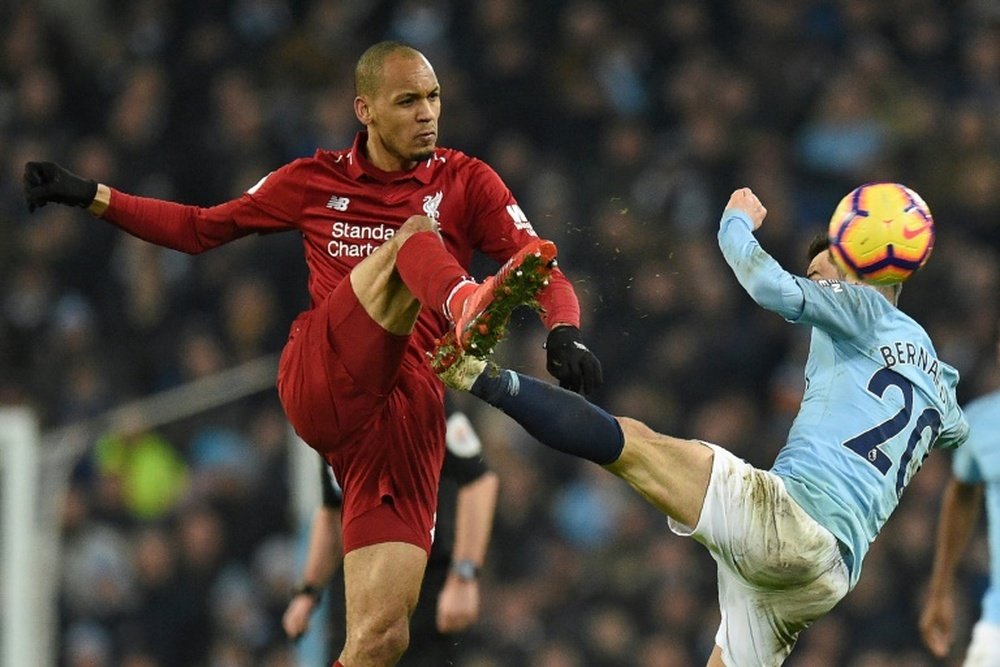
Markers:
{"x": 474, "y": 512}
{"x": 458, "y": 603}
{"x": 325, "y": 554}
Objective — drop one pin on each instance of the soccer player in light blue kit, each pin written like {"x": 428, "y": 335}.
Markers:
{"x": 789, "y": 542}
{"x": 975, "y": 469}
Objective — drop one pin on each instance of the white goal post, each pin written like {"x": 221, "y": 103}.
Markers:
{"x": 21, "y": 638}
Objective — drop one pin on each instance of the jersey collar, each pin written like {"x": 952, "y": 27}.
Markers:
{"x": 359, "y": 166}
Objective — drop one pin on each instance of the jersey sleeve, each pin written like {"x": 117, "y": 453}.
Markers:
{"x": 463, "y": 457}
{"x": 839, "y": 308}
{"x": 835, "y": 307}
{"x": 758, "y": 273}
{"x": 500, "y": 228}
{"x": 333, "y": 497}
{"x": 982, "y": 443}
{"x": 964, "y": 464}
{"x": 955, "y": 431}
{"x": 272, "y": 205}
{"x": 276, "y": 200}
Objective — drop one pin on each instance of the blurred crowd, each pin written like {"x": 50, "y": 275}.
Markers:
{"x": 622, "y": 127}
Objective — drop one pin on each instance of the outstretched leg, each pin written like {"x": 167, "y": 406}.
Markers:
{"x": 671, "y": 473}
{"x": 715, "y": 659}
{"x": 558, "y": 418}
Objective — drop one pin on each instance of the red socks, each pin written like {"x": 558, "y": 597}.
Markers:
{"x": 433, "y": 275}
{"x": 457, "y": 298}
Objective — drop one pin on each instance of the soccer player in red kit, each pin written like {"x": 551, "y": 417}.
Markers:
{"x": 389, "y": 227}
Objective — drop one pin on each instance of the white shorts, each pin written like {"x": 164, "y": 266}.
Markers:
{"x": 779, "y": 570}
{"x": 984, "y": 650}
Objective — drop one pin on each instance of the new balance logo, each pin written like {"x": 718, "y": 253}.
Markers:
{"x": 338, "y": 203}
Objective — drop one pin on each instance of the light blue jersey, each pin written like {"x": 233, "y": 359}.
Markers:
{"x": 978, "y": 462}
{"x": 877, "y": 398}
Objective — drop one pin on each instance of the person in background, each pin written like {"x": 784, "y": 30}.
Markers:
{"x": 975, "y": 474}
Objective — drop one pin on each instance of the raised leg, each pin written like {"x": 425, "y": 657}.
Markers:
{"x": 672, "y": 474}
{"x": 380, "y": 288}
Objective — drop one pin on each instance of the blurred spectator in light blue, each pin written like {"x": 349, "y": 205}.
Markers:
{"x": 844, "y": 138}
{"x": 586, "y": 511}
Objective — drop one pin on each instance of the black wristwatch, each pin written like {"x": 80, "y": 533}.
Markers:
{"x": 465, "y": 569}
{"x": 308, "y": 589}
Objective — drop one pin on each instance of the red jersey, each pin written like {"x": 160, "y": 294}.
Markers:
{"x": 345, "y": 208}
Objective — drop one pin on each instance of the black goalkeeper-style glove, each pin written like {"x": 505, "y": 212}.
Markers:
{"x": 46, "y": 182}
{"x": 570, "y": 362}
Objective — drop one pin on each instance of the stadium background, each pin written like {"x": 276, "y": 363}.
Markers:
{"x": 621, "y": 127}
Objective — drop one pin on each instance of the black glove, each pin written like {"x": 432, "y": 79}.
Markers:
{"x": 570, "y": 362}
{"x": 47, "y": 181}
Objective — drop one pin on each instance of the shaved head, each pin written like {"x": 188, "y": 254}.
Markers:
{"x": 368, "y": 71}
{"x": 398, "y": 100}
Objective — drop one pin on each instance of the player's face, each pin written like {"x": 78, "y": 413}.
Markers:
{"x": 403, "y": 114}
{"x": 822, "y": 267}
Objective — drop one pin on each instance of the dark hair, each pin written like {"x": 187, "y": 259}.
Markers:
{"x": 820, "y": 243}
{"x": 368, "y": 71}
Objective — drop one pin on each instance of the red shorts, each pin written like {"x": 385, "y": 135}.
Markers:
{"x": 368, "y": 402}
